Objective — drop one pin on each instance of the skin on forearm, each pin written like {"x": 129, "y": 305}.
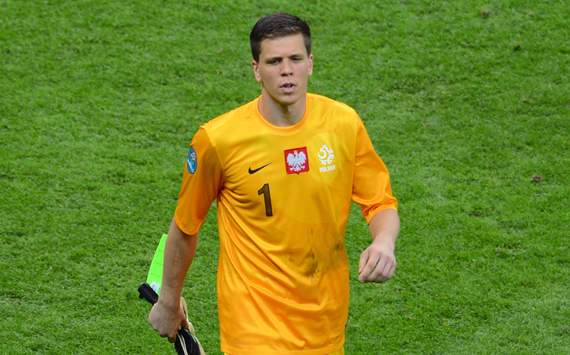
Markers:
{"x": 178, "y": 254}
{"x": 385, "y": 226}
{"x": 378, "y": 261}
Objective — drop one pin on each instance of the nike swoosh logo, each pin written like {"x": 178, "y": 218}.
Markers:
{"x": 253, "y": 171}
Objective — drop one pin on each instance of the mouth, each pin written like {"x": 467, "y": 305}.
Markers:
{"x": 287, "y": 87}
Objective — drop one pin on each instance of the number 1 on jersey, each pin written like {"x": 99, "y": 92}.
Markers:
{"x": 267, "y": 199}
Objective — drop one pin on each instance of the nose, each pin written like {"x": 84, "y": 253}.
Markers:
{"x": 286, "y": 68}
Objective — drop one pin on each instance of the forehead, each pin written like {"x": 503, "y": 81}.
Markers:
{"x": 283, "y": 46}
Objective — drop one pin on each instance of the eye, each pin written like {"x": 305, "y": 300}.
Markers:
{"x": 273, "y": 61}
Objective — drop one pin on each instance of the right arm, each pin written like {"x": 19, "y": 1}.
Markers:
{"x": 201, "y": 183}
{"x": 166, "y": 316}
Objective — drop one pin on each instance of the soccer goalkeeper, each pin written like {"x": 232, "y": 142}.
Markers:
{"x": 284, "y": 169}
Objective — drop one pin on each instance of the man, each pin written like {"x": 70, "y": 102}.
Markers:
{"x": 284, "y": 169}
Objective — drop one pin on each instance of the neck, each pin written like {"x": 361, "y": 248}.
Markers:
{"x": 280, "y": 114}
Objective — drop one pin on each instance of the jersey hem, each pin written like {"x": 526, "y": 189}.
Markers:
{"x": 379, "y": 209}
{"x": 322, "y": 351}
{"x": 185, "y": 229}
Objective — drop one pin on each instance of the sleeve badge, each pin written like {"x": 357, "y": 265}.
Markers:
{"x": 192, "y": 161}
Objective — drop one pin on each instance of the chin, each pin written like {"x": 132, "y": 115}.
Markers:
{"x": 282, "y": 99}
{"x": 287, "y": 100}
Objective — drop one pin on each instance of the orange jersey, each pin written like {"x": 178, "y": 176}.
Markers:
{"x": 284, "y": 196}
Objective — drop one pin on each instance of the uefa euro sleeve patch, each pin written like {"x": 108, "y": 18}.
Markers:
{"x": 192, "y": 160}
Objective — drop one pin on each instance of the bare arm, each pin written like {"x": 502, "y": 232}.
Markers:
{"x": 166, "y": 316}
{"x": 378, "y": 261}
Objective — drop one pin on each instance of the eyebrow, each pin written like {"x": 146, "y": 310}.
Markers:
{"x": 298, "y": 55}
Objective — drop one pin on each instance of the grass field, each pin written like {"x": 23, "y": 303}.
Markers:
{"x": 467, "y": 102}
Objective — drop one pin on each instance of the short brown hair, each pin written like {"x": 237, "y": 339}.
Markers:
{"x": 278, "y": 25}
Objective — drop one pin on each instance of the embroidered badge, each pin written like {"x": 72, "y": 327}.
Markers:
{"x": 192, "y": 160}
{"x": 326, "y": 157}
{"x": 296, "y": 160}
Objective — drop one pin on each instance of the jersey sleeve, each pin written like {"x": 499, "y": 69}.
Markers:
{"x": 371, "y": 188}
{"x": 201, "y": 182}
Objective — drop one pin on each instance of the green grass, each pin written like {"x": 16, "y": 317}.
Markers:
{"x": 467, "y": 102}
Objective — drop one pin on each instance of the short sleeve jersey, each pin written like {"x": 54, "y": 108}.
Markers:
{"x": 283, "y": 199}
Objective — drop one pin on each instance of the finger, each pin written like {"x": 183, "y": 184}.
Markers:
{"x": 392, "y": 270}
{"x": 186, "y": 324}
{"x": 365, "y": 270}
{"x": 389, "y": 263}
{"x": 363, "y": 260}
{"x": 384, "y": 265}
{"x": 169, "y": 335}
{"x": 378, "y": 274}
{"x": 386, "y": 272}
{"x": 368, "y": 269}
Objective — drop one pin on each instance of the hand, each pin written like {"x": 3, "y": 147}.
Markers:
{"x": 377, "y": 262}
{"x": 167, "y": 319}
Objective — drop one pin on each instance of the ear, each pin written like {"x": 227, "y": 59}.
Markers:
{"x": 255, "y": 68}
{"x": 310, "y": 64}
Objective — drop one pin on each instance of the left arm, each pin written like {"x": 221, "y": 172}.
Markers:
{"x": 378, "y": 261}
